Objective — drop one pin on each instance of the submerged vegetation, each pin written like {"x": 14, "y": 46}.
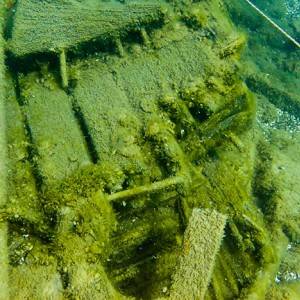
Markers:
{"x": 139, "y": 162}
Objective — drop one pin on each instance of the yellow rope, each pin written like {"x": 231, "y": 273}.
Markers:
{"x": 274, "y": 24}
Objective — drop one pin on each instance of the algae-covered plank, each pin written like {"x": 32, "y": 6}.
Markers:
{"x": 89, "y": 281}
{"x": 57, "y": 137}
{"x": 3, "y": 169}
{"x": 110, "y": 95}
{"x": 202, "y": 240}
{"x": 43, "y": 26}
{"x": 287, "y": 100}
{"x": 35, "y": 282}
{"x": 110, "y": 119}
{"x": 102, "y": 103}
{"x": 144, "y": 79}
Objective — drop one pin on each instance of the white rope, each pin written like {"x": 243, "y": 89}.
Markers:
{"x": 274, "y": 24}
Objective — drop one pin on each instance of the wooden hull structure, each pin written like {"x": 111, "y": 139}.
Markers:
{"x": 128, "y": 155}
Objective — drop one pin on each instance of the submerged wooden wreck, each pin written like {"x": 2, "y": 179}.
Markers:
{"x": 44, "y": 26}
{"x": 134, "y": 181}
{"x": 60, "y": 26}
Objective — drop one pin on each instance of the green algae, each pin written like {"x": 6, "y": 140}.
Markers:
{"x": 130, "y": 123}
{"x": 67, "y": 22}
{"x": 3, "y": 167}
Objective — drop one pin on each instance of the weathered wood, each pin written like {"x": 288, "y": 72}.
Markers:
{"x": 43, "y": 26}
{"x": 55, "y": 132}
{"x": 3, "y": 171}
{"x": 202, "y": 240}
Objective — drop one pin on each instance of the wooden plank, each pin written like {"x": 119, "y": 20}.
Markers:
{"x": 3, "y": 168}
{"x": 111, "y": 94}
{"x": 202, "y": 240}
{"x": 59, "y": 142}
{"x": 73, "y": 23}
{"x": 110, "y": 118}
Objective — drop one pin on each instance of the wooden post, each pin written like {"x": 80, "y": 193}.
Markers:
{"x": 63, "y": 69}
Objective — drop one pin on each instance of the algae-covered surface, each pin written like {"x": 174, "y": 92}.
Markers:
{"x": 150, "y": 150}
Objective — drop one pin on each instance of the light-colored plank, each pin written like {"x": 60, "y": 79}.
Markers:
{"x": 202, "y": 240}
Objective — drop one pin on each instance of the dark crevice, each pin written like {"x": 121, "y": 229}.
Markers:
{"x": 31, "y": 150}
{"x": 32, "y": 154}
{"x": 65, "y": 278}
{"x": 84, "y": 128}
{"x": 18, "y": 89}
{"x": 32, "y": 62}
